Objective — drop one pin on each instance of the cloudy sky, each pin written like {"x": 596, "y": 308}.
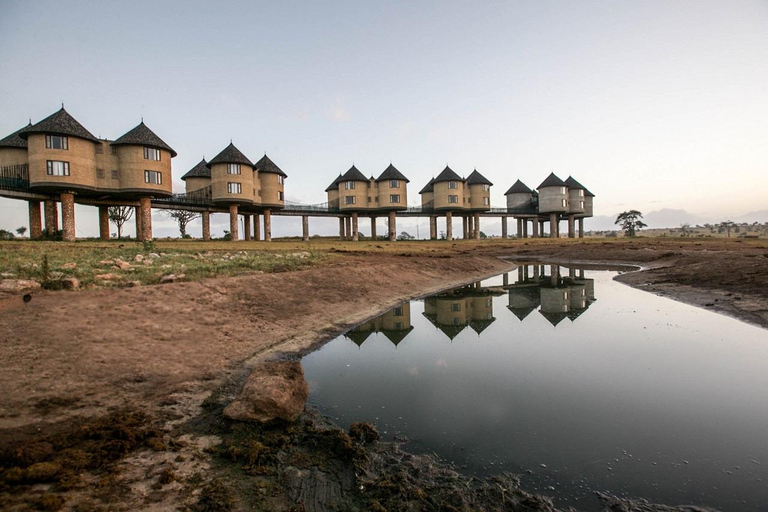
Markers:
{"x": 650, "y": 104}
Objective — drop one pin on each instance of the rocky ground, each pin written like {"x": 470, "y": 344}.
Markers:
{"x": 114, "y": 398}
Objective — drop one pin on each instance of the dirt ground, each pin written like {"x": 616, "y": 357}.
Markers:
{"x": 150, "y": 357}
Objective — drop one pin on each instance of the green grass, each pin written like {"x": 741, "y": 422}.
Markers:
{"x": 49, "y": 262}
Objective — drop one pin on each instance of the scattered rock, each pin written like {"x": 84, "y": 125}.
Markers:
{"x": 153, "y": 255}
{"x": 139, "y": 258}
{"x": 107, "y": 277}
{"x": 366, "y": 433}
{"x": 69, "y": 265}
{"x": 148, "y": 262}
{"x": 132, "y": 284}
{"x": 274, "y": 390}
{"x": 7, "y": 275}
{"x": 172, "y": 278}
{"x": 70, "y": 283}
{"x": 18, "y": 285}
{"x": 106, "y": 262}
{"x": 122, "y": 264}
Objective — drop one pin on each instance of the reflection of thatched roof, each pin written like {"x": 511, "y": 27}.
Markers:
{"x": 521, "y": 313}
{"x": 480, "y": 325}
{"x": 470, "y": 291}
{"x": 449, "y": 330}
{"x": 554, "y": 318}
{"x": 358, "y": 337}
{"x": 396, "y": 336}
{"x": 575, "y": 313}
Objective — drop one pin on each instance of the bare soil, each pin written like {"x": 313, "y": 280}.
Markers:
{"x": 120, "y": 391}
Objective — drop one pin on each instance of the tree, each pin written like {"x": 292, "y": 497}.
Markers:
{"x": 21, "y": 230}
{"x": 630, "y": 222}
{"x": 119, "y": 215}
{"x": 726, "y": 226}
{"x": 182, "y": 218}
{"x": 685, "y": 230}
{"x": 483, "y": 235}
{"x": 405, "y": 236}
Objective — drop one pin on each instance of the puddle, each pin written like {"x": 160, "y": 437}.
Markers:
{"x": 572, "y": 380}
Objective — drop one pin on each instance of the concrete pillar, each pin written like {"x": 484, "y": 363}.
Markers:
{"x": 448, "y": 226}
{"x": 206, "y": 226}
{"x": 256, "y": 227}
{"x": 571, "y": 226}
{"x": 103, "y": 223}
{"x": 68, "y": 216}
{"x": 535, "y": 227}
{"x": 476, "y": 226}
{"x": 519, "y": 228}
{"x": 305, "y": 227}
{"x": 581, "y": 227}
{"x": 541, "y": 228}
{"x": 35, "y": 222}
{"x": 145, "y": 205}
{"x": 342, "y": 231}
{"x": 465, "y": 227}
{"x": 137, "y": 218}
{"x": 355, "y": 230}
{"x": 553, "y": 225}
{"x": 233, "y": 235}
{"x": 51, "y": 217}
{"x": 348, "y": 228}
{"x": 525, "y": 228}
{"x": 373, "y": 228}
{"x": 247, "y": 227}
{"x": 392, "y": 226}
{"x": 504, "y": 228}
{"x": 267, "y": 225}
{"x": 433, "y": 227}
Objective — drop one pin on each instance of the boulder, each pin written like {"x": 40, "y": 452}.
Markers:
{"x": 172, "y": 278}
{"x": 274, "y": 390}
{"x": 70, "y": 283}
{"x": 122, "y": 264}
{"x": 18, "y": 285}
{"x": 139, "y": 258}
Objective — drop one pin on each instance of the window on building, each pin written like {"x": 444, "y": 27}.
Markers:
{"x": 377, "y": 199}
{"x": 486, "y": 187}
{"x": 350, "y": 200}
{"x": 369, "y": 199}
{"x": 114, "y": 174}
{"x": 280, "y": 196}
{"x": 564, "y": 203}
{"x": 56, "y": 142}
{"x": 397, "y": 312}
{"x": 453, "y": 199}
{"x": 234, "y": 188}
{"x": 56, "y": 168}
{"x": 397, "y": 326}
{"x": 280, "y": 179}
{"x": 486, "y": 201}
{"x": 349, "y": 185}
{"x": 394, "y": 183}
{"x": 455, "y": 306}
{"x": 581, "y": 193}
{"x": 453, "y": 184}
{"x": 113, "y": 150}
{"x": 233, "y": 168}
{"x": 99, "y": 149}
{"x": 563, "y": 190}
{"x": 488, "y": 303}
{"x": 100, "y": 174}
{"x": 153, "y": 177}
{"x": 394, "y": 198}
{"x": 581, "y": 204}
{"x": 151, "y": 154}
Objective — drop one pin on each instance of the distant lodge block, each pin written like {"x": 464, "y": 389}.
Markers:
{"x": 59, "y": 160}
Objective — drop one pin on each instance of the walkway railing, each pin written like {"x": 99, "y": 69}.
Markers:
{"x": 15, "y": 177}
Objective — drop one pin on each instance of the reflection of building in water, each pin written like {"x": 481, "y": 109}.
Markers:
{"x": 395, "y": 324}
{"x": 453, "y": 311}
{"x": 555, "y": 296}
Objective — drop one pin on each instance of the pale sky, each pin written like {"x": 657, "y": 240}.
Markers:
{"x": 649, "y": 104}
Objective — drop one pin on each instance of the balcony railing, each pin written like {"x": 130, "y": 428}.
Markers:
{"x": 15, "y": 177}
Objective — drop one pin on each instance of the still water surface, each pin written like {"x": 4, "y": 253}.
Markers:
{"x": 573, "y": 380}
